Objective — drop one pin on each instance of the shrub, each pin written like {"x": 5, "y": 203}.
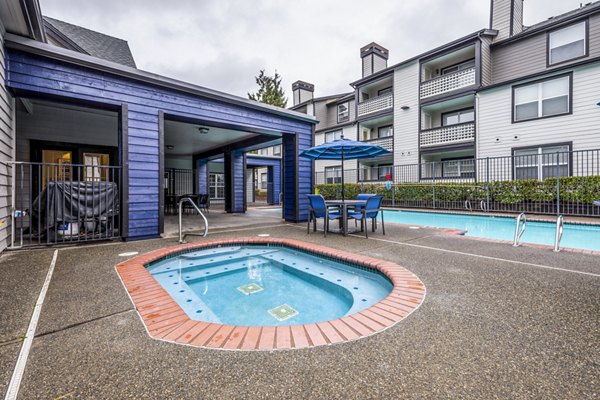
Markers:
{"x": 584, "y": 189}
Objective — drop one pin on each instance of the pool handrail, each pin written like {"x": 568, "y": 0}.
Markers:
{"x": 518, "y": 231}
{"x": 180, "y": 206}
{"x": 559, "y": 233}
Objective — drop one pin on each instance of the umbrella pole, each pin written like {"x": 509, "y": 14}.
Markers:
{"x": 343, "y": 198}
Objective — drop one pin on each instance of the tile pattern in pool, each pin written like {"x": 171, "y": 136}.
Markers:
{"x": 166, "y": 320}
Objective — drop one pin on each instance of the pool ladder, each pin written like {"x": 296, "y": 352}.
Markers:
{"x": 520, "y": 229}
{"x": 180, "y": 207}
{"x": 559, "y": 233}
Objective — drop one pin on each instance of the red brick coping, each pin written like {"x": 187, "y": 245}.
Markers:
{"x": 165, "y": 320}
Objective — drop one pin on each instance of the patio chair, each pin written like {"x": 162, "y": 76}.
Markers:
{"x": 362, "y": 196}
{"x": 204, "y": 202}
{"x": 318, "y": 209}
{"x": 370, "y": 211}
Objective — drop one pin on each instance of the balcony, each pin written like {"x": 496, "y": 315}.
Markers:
{"x": 448, "y": 83}
{"x": 379, "y": 103}
{"x": 459, "y": 133}
{"x": 385, "y": 142}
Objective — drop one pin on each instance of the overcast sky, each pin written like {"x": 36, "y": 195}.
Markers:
{"x": 223, "y": 44}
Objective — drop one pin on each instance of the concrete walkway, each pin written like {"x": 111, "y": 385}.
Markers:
{"x": 497, "y": 322}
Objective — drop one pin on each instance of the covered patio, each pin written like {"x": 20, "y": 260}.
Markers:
{"x": 160, "y": 122}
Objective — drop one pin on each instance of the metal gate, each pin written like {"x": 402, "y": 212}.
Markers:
{"x": 56, "y": 203}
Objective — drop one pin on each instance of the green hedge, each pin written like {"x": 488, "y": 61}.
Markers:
{"x": 580, "y": 189}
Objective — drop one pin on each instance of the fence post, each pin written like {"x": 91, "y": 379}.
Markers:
{"x": 433, "y": 186}
{"x": 393, "y": 195}
{"x": 487, "y": 183}
{"x": 557, "y": 183}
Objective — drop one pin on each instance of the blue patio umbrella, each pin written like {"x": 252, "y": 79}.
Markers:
{"x": 344, "y": 149}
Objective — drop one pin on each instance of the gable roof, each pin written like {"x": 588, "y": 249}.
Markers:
{"x": 89, "y": 42}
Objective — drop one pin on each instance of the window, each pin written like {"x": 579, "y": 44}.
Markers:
{"x": 385, "y": 131}
{"x": 464, "y": 168}
{"x": 458, "y": 117}
{"x": 94, "y": 163}
{"x": 384, "y": 170}
{"x": 458, "y": 67}
{"x": 547, "y": 98}
{"x": 264, "y": 151}
{"x": 343, "y": 112}
{"x": 542, "y": 162}
{"x": 333, "y": 174}
{"x": 57, "y": 166}
{"x": 383, "y": 92}
{"x": 567, "y": 43}
{"x": 216, "y": 186}
{"x": 277, "y": 150}
{"x": 263, "y": 181}
{"x": 331, "y": 136}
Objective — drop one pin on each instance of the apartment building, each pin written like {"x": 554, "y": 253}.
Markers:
{"x": 506, "y": 90}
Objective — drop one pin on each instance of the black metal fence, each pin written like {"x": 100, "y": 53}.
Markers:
{"x": 535, "y": 181}
{"x": 64, "y": 203}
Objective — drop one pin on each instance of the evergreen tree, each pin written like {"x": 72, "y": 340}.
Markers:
{"x": 269, "y": 90}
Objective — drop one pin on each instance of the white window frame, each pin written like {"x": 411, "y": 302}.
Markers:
{"x": 277, "y": 150}
{"x": 554, "y": 36}
{"x": 452, "y": 69}
{"x": 333, "y": 135}
{"x": 540, "y": 98}
{"x": 459, "y": 114}
{"x": 336, "y": 174}
{"x": 541, "y": 161}
{"x": 343, "y": 116}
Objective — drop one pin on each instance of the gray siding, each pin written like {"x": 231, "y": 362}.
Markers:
{"x": 581, "y": 127}
{"x": 501, "y": 18}
{"x": 366, "y": 65}
{"x": 528, "y": 56}
{"x": 406, "y": 122}
{"x": 349, "y": 133}
{"x": 486, "y": 61}
{"x": 327, "y": 113}
{"x": 379, "y": 63}
{"x": 6, "y": 150}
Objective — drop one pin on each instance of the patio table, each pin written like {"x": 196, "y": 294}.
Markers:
{"x": 343, "y": 205}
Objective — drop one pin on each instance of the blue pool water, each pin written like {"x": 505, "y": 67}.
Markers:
{"x": 501, "y": 228}
{"x": 575, "y": 236}
{"x": 266, "y": 286}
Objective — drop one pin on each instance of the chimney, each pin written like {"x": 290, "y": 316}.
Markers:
{"x": 374, "y": 58}
{"x": 302, "y": 91}
{"x": 506, "y": 16}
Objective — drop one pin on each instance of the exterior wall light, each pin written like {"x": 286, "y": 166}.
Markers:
{"x": 405, "y": 108}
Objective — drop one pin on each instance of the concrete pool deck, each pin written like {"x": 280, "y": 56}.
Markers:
{"x": 497, "y": 322}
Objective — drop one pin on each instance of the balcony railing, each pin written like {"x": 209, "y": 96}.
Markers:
{"x": 459, "y": 133}
{"x": 385, "y": 142}
{"x": 376, "y": 104}
{"x": 448, "y": 83}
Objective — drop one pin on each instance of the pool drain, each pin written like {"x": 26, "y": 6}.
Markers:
{"x": 283, "y": 312}
{"x": 250, "y": 288}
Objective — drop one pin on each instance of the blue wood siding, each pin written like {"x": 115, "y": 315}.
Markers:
{"x": 202, "y": 168}
{"x": 273, "y": 175}
{"x": 38, "y": 74}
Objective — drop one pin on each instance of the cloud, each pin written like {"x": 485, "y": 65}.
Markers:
{"x": 223, "y": 44}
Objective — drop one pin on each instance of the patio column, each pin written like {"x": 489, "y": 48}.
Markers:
{"x": 202, "y": 171}
{"x": 235, "y": 167}
{"x": 297, "y": 175}
{"x": 274, "y": 176}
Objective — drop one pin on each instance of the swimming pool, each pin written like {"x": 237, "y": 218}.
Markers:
{"x": 255, "y": 285}
{"x": 576, "y": 236}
